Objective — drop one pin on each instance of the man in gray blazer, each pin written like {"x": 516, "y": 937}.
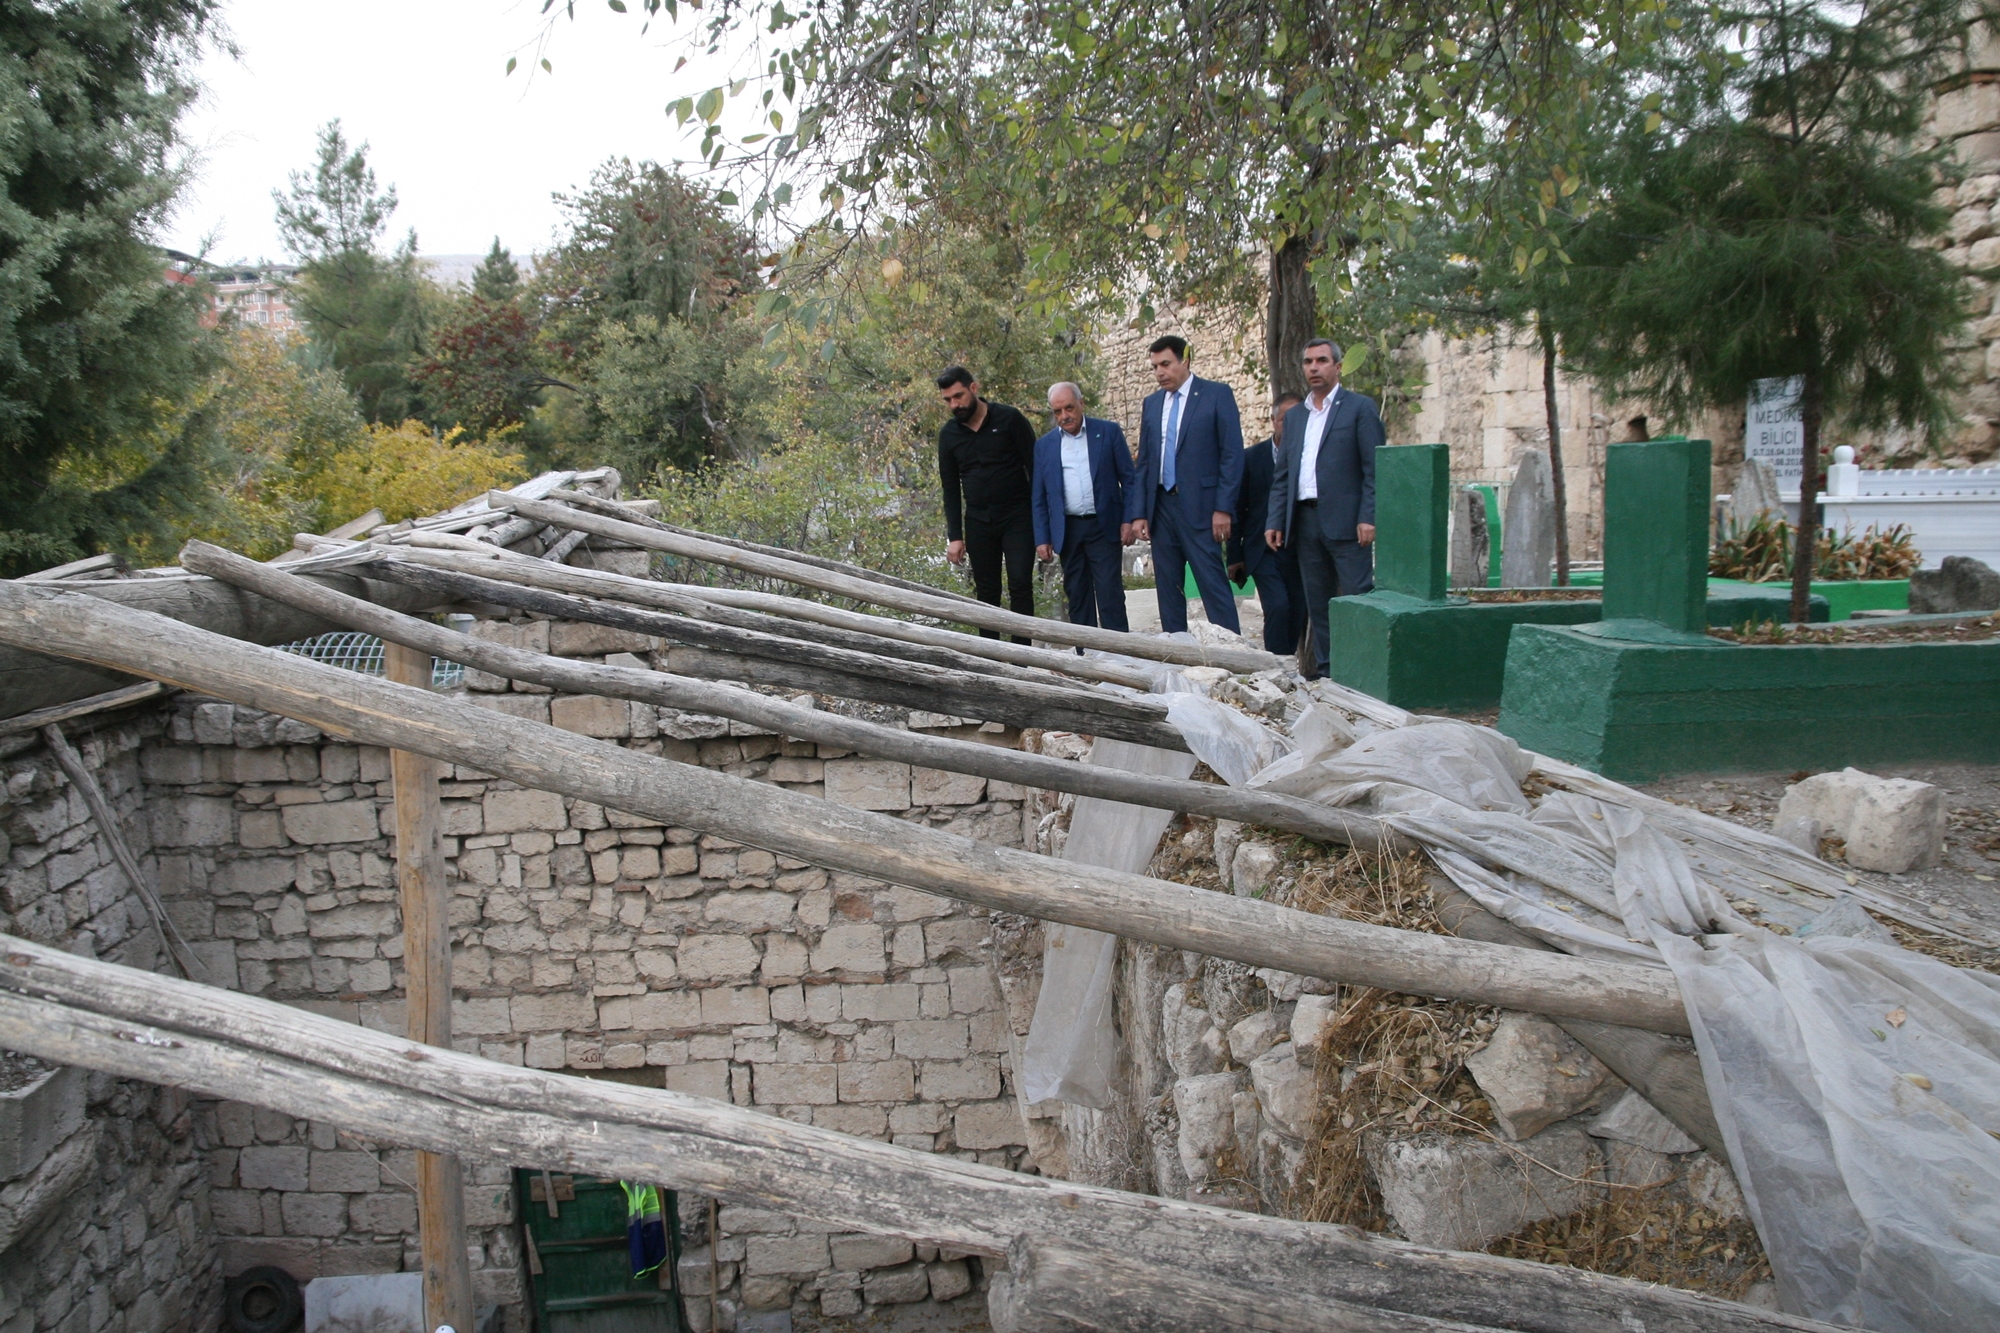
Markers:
{"x": 1323, "y": 492}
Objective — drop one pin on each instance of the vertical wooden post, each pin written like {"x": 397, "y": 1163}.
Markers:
{"x": 426, "y": 904}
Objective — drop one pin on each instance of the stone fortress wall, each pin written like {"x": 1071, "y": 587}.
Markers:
{"x": 584, "y": 940}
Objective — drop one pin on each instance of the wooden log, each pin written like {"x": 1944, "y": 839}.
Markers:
{"x": 131, "y": 695}
{"x": 613, "y": 509}
{"x": 1247, "y": 805}
{"x": 1664, "y": 1069}
{"x": 922, "y": 603}
{"x": 674, "y": 596}
{"x": 425, "y": 898}
{"x": 683, "y": 600}
{"x": 139, "y": 1025}
{"x": 30, "y": 680}
{"x": 726, "y": 653}
{"x": 819, "y": 832}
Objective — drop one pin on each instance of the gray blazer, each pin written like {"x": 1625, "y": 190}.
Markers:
{"x": 1346, "y": 468}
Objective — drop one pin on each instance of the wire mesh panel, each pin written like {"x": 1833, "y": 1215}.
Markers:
{"x": 355, "y": 651}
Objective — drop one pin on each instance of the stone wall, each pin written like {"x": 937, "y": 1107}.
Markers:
{"x": 105, "y": 1230}
{"x": 585, "y": 940}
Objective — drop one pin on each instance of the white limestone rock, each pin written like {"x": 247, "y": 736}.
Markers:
{"x": 1254, "y": 865}
{"x": 1632, "y": 1119}
{"x": 1207, "y": 1108}
{"x": 1287, "y": 1092}
{"x": 1462, "y": 1193}
{"x": 1898, "y": 825}
{"x": 1194, "y": 1046}
{"x": 1533, "y": 1075}
{"x": 1253, "y": 1036}
{"x": 1712, "y": 1184}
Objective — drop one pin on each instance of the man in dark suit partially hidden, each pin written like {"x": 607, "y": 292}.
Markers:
{"x": 1323, "y": 492}
{"x": 1279, "y": 591}
{"x": 1190, "y": 470}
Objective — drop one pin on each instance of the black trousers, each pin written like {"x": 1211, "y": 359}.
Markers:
{"x": 1328, "y": 570}
{"x": 1004, "y": 537}
{"x": 1093, "y": 576}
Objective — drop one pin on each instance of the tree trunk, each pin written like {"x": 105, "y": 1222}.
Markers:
{"x": 1559, "y": 489}
{"x": 1804, "y": 556}
{"x": 1290, "y": 317}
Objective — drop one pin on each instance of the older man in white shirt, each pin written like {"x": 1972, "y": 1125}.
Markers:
{"x": 1084, "y": 498}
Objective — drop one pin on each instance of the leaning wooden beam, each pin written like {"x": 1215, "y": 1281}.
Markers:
{"x": 673, "y": 596}
{"x": 922, "y": 603}
{"x": 139, "y": 1025}
{"x": 797, "y": 664}
{"x": 819, "y": 832}
{"x": 1664, "y": 1069}
{"x": 96, "y": 703}
{"x": 30, "y": 680}
{"x": 613, "y": 509}
{"x": 1247, "y": 805}
{"x": 684, "y": 600}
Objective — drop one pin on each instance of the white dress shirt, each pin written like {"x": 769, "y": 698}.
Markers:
{"x": 1317, "y": 420}
{"x": 1180, "y": 425}
{"x": 1078, "y": 498}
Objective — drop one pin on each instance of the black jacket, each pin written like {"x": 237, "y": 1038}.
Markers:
{"x": 985, "y": 472}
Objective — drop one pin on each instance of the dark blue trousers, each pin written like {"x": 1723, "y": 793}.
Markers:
{"x": 1092, "y": 573}
{"x": 1281, "y": 593}
{"x": 1329, "y": 570}
{"x": 1175, "y": 549}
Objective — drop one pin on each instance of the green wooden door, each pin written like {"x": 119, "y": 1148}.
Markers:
{"x": 585, "y": 1282}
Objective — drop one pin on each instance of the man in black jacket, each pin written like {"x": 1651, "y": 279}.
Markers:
{"x": 986, "y": 460}
{"x": 1279, "y": 591}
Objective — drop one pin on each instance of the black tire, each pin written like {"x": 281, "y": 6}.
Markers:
{"x": 262, "y": 1300}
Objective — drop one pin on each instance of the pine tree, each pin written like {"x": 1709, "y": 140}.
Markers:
{"x": 498, "y": 279}
{"x": 99, "y": 339}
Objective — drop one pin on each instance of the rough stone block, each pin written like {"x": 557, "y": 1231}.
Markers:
{"x": 717, "y": 958}
{"x": 880, "y": 1081}
{"x": 868, "y": 784}
{"x": 990, "y": 1125}
{"x": 591, "y": 715}
{"x": 796, "y": 1085}
{"x": 576, "y": 638}
{"x": 855, "y": 948}
{"x": 1208, "y": 1118}
{"x": 1287, "y": 1093}
{"x": 735, "y": 1006}
{"x": 560, "y": 1012}
{"x": 933, "y": 1039}
{"x": 1712, "y": 1184}
{"x": 1194, "y": 1046}
{"x": 1312, "y": 1021}
{"x": 1898, "y": 825}
{"x": 750, "y": 909}
{"x": 855, "y": 1254}
{"x": 1462, "y": 1193}
{"x": 702, "y": 1078}
{"x": 522, "y": 811}
{"x": 339, "y": 821}
{"x": 961, "y": 1080}
{"x": 1533, "y": 1075}
{"x": 934, "y": 786}
{"x": 1959, "y": 583}
{"x": 1253, "y": 1036}
{"x": 354, "y": 921}
{"x": 192, "y": 821}
{"x": 272, "y": 1167}
{"x": 897, "y": 1286}
{"x": 785, "y": 1256}
{"x": 1632, "y": 1119}
{"x": 1252, "y": 867}
{"x": 950, "y": 1279}
{"x": 383, "y": 1214}
{"x": 344, "y": 1173}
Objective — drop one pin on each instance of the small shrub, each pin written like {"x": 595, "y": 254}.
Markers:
{"x": 1762, "y": 553}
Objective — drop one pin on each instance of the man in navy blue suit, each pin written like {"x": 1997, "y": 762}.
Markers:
{"x": 1277, "y": 572}
{"x": 1188, "y": 485}
{"x": 1323, "y": 492}
{"x": 1084, "y": 498}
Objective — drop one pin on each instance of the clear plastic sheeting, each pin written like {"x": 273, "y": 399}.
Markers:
{"x": 1857, "y": 1084}
{"x": 1072, "y": 1046}
{"x": 1231, "y": 743}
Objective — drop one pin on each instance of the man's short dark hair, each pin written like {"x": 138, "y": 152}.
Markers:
{"x": 1173, "y": 342}
{"x": 1324, "y": 342}
{"x": 1286, "y": 398}
{"x": 951, "y": 375}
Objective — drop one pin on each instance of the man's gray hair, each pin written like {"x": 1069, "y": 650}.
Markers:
{"x": 1327, "y": 343}
{"x": 1055, "y": 389}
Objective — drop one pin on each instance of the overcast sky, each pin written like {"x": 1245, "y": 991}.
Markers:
{"x": 473, "y": 153}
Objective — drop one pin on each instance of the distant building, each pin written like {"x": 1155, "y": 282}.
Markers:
{"x": 255, "y": 294}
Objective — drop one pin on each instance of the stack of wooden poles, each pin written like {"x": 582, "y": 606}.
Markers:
{"x": 1077, "y": 1257}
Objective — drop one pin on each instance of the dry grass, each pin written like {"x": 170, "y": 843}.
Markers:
{"x": 1649, "y": 1235}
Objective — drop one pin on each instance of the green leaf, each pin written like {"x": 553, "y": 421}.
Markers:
{"x": 827, "y": 350}
{"x": 617, "y": 6}
{"x": 727, "y": 198}
{"x": 547, "y": 68}
{"x": 511, "y": 62}
{"x": 709, "y": 107}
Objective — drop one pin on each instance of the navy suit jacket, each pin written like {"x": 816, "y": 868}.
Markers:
{"x": 1346, "y": 468}
{"x": 1253, "y": 506}
{"x": 1111, "y": 480}
{"x": 1208, "y": 461}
